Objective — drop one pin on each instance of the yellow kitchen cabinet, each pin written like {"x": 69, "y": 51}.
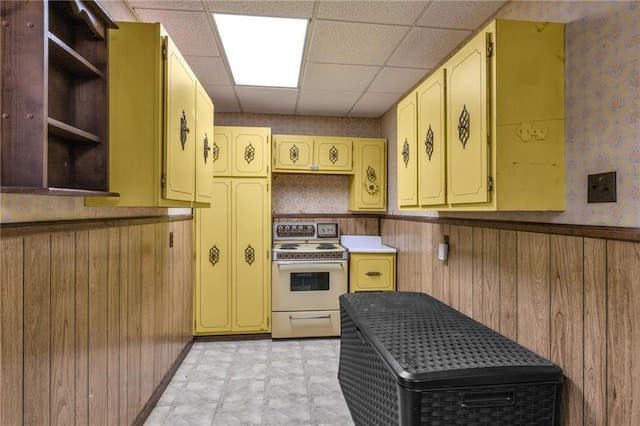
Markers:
{"x": 504, "y": 120}
{"x": 241, "y": 151}
{"x": 307, "y": 154}
{"x": 372, "y": 272}
{"x": 204, "y": 142}
{"x": 368, "y": 184}
{"x": 421, "y": 145}
{"x": 156, "y": 136}
{"x": 212, "y": 304}
{"x": 432, "y": 138}
{"x": 407, "y": 160}
{"x": 233, "y": 263}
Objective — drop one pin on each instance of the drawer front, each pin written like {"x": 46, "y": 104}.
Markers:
{"x": 372, "y": 273}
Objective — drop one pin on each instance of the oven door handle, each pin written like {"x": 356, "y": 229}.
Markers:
{"x": 291, "y": 317}
{"x": 304, "y": 266}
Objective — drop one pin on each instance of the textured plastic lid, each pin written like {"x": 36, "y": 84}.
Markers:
{"x": 427, "y": 343}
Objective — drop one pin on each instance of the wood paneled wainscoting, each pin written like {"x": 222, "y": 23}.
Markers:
{"x": 569, "y": 293}
{"x": 94, "y": 316}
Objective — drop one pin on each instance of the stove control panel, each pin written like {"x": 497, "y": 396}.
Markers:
{"x": 294, "y": 230}
{"x": 328, "y": 230}
{"x": 305, "y": 231}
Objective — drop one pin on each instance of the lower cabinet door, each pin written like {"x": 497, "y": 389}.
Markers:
{"x": 212, "y": 308}
{"x": 372, "y": 272}
{"x": 251, "y": 266}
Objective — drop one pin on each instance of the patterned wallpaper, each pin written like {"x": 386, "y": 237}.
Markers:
{"x": 602, "y": 114}
{"x": 602, "y": 129}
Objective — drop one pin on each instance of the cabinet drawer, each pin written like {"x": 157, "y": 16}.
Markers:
{"x": 305, "y": 324}
{"x": 372, "y": 272}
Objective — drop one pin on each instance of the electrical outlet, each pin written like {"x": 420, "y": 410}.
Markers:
{"x": 602, "y": 188}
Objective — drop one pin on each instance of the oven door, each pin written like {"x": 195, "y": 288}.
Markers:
{"x": 308, "y": 286}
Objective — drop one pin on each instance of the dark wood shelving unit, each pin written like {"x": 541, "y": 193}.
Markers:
{"x": 55, "y": 98}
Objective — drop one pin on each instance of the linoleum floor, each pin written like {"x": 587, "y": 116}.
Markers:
{"x": 256, "y": 382}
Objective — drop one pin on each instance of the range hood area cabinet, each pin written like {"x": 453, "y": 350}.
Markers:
{"x": 241, "y": 151}
{"x": 312, "y": 154}
{"x": 486, "y": 130}
{"x": 233, "y": 264}
{"x": 54, "y": 137}
{"x": 161, "y": 123}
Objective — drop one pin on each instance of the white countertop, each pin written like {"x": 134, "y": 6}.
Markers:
{"x": 365, "y": 244}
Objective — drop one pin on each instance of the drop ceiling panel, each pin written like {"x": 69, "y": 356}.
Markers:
{"x": 379, "y": 12}
{"x": 338, "y": 77}
{"x": 223, "y": 98}
{"x": 459, "y": 14}
{"x": 416, "y": 53}
{"x": 190, "y": 31}
{"x": 360, "y": 54}
{"x": 374, "y": 105}
{"x": 210, "y": 70}
{"x": 284, "y": 9}
{"x": 397, "y": 80}
{"x": 353, "y": 43}
{"x": 167, "y": 4}
{"x": 261, "y": 100}
{"x": 326, "y": 102}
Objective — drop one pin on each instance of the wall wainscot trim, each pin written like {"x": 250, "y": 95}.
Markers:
{"x": 586, "y": 231}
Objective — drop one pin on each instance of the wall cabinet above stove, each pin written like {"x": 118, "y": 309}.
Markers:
{"x": 312, "y": 154}
{"x": 161, "y": 123}
{"x": 486, "y": 130}
{"x": 241, "y": 151}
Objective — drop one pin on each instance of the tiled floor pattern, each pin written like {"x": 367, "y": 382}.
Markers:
{"x": 256, "y": 382}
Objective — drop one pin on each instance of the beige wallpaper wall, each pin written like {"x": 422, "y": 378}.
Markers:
{"x": 602, "y": 92}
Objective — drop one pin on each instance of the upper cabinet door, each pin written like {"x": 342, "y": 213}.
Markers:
{"x": 333, "y": 154}
{"x": 431, "y": 140}
{"x": 204, "y": 145}
{"x": 468, "y": 136}
{"x": 292, "y": 152}
{"x": 180, "y": 89}
{"x": 406, "y": 152}
{"x": 368, "y": 184}
{"x": 251, "y": 151}
{"x": 221, "y": 151}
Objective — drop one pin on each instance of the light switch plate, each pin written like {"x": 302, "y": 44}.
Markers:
{"x": 602, "y": 188}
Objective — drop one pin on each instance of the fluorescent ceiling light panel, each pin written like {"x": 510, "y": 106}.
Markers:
{"x": 263, "y": 51}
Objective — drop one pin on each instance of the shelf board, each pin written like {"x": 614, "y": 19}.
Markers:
{"x": 72, "y": 133}
{"x": 29, "y": 190}
{"x": 62, "y": 54}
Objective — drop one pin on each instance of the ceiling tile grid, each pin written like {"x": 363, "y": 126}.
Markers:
{"x": 360, "y": 56}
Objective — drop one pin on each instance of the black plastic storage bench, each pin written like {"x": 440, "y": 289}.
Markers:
{"x": 408, "y": 359}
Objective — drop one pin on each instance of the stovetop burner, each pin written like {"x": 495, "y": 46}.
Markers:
{"x": 291, "y": 246}
{"x": 326, "y": 246}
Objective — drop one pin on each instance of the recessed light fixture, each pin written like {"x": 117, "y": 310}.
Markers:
{"x": 263, "y": 51}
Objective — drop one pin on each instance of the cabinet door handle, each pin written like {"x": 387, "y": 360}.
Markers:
{"x": 373, "y": 273}
{"x": 207, "y": 148}
{"x": 294, "y": 153}
{"x": 183, "y": 129}
{"x": 463, "y": 126}
{"x": 405, "y": 153}
{"x": 428, "y": 142}
{"x": 214, "y": 255}
{"x": 249, "y": 254}
{"x": 333, "y": 154}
